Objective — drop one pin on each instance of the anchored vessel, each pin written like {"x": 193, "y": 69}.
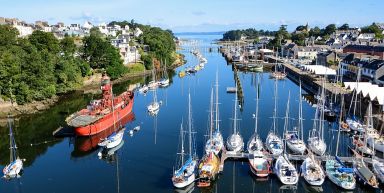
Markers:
{"x": 273, "y": 141}
{"x": 15, "y": 165}
{"x": 185, "y": 175}
{"x": 99, "y": 114}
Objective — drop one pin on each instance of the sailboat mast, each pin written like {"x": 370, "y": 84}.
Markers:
{"x": 322, "y": 99}
{"x": 300, "y": 126}
{"x": 12, "y": 146}
{"x": 217, "y": 102}
{"x": 190, "y": 125}
{"x": 235, "y": 114}
{"x": 211, "y": 116}
{"x": 356, "y": 90}
{"x": 275, "y": 109}
{"x": 182, "y": 143}
{"x": 257, "y": 102}
{"x": 287, "y": 113}
{"x": 340, "y": 120}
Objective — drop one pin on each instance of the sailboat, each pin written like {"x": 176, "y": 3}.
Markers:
{"x": 352, "y": 121}
{"x": 273, "y": 142}
{"x": 185, "y": 175}
{"x": 154, "y": 107}
{"x": 117, "y": 136}
{"x": 15, "y": 166}
{"x": 216, "y": 143}
{"x": 153, "y": 84}
{"x": 378, "y": 167}
{"x": 285, "y": 171}
{"x": 294, "y": 137}
{"x": 316, "y": 136}
{"x": 277, "y": 74}
{"x": 312, "y": 171}
{"x": 373, "y": 137}
{"x": 209, "y": 165}
{"x": 335, "y": 169}
{"x": 363, "y": 173}
{"x": 235, "y": 142}
{"x": 258, "y": 161}
{"x": 164, "y": 82}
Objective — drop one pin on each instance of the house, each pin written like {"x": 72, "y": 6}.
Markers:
{"x": 137, "y": 32}
{"x": 327, "y": 58}
{"x": 366, "y": 36}
{"x": 288, "y": 50}
{"x": 365, "y": 50}
{"x": 371, "y": 70}
{"x": 87, "y": 25}
{"x": 125, "y": 30}
{"x": 43, "y": 26}
{"x": 74, "y": 27}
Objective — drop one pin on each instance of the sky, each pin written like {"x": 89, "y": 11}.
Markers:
{"x": 200, "y": 15}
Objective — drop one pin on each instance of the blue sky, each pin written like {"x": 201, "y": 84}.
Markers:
{"x": 200, "y": 15}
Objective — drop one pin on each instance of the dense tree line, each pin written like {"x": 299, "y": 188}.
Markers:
{"x": 37, "y": 67}
{"x": 299, "y": 35}
{"x": 161, "y": 45}
{"x": 41, "y": 66}
{"x": 250, "y": 33}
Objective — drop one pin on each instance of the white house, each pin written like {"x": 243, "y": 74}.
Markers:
{"x": 138, "y": 32}
{"x": 125, "y": 30}
{"x": 87, "y": 25}
{"x": 23, "y": 28}
{"x": 366, "y": 36}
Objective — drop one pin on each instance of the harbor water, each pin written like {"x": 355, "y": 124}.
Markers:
{"x": 145, "y": 162}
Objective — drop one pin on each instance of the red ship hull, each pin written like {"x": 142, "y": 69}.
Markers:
{"x": 106, "y": 122}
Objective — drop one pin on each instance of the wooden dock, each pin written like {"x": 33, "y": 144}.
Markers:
{"x": 313, "y": 80}
{"x": 244, "y": 155}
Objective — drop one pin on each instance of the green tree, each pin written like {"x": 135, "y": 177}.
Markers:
{"x": 330, "y": 29}
{"x": 67, "y": 45}
{"x": 8, "y": 35}
{"x": 315, "y": 32}
{"x": 344, "y": 27}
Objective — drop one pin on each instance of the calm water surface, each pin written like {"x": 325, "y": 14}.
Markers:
{"x": 145, "y": 161}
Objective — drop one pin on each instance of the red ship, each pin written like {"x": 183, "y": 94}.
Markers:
{"x": 103, "y": 113}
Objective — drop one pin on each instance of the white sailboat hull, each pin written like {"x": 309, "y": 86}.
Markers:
{"x": 333, "y": 174}
{"x": 377, "y": 142}
{"x": 153, "y": 107}
{"x": 285, "y": 171}
{"x": 297, "y": 146}
{"x": 235, "y": 143}
{"x": 13, "y": 169}
{"x": 153, "y": 85}
{"x": 354, "y": 125}
{"x": 317, "y": 145}
{"x": 378, "y": 169}
{"x": 313, "y": 173}
{"x": 274, "y": 144}
{"x": 255, "y": 144}
{"x": 143, "y": 89}
{"x": 164, "y": 83}
{"x": 186, "y": 178}
{"x": 189, "y": 180}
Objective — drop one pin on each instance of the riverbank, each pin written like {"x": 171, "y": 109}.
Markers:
{"x": 90, "y": 84}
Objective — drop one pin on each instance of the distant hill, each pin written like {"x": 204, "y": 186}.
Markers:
{"x": 199, "y": 33}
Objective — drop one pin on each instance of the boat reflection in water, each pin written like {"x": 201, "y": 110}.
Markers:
{"x": 187, "y": 189}
{"x": 109, "y": 154}
{"x": 86, "y": 145}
